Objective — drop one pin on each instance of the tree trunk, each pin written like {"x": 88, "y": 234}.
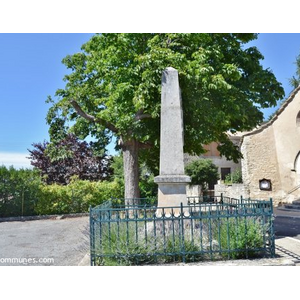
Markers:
{"x": 131, "y": 172}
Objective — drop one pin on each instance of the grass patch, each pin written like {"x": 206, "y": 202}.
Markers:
{"x": 142, "y": 239}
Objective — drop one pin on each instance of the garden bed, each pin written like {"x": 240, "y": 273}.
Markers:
{"x": 137, "y": 235}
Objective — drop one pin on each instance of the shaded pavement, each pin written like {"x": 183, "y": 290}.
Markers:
{"x": 287, "y": 234}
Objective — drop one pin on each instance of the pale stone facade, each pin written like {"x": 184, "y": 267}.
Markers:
{"x": 271, "y": 152}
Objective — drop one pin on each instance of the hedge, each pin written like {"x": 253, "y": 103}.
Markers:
{"x": 22, "y": 193}
{"x": 75, "y": 197}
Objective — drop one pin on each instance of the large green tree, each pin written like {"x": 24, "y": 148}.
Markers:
{"x": 114, "y": 88}
{"x": 295, "y": 80}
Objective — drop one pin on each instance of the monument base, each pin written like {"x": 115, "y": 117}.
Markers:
{"x": 171, "y": 193}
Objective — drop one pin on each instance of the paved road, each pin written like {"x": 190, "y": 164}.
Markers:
{"x": 44, "y": 242}
{"x": 287, "y": 227}
{"x": 287, "y": 223}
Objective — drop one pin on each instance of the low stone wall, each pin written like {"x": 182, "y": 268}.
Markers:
{"x": 193, "y": 190}
{"x": 236, "y": 190}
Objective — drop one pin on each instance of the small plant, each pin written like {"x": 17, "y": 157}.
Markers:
{"x": 241, "y": 238}
{"x": 127, "y": 243}
{"x": 234, "y": 177}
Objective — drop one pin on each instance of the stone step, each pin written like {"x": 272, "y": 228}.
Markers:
{"x": 296, "y": 202}
{"x": 292, "y": 206}
{"x": 295, "y": 205}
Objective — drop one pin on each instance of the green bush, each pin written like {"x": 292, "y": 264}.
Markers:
{"x": 148, "y": 187}
{"x": 243, "y": 235}
{"x": 75, "y": 197}
{"x": 22, "y": 193}
{"x": 202, "y": 172}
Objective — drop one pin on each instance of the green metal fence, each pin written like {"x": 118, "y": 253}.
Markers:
{"x": 223, "y": 229}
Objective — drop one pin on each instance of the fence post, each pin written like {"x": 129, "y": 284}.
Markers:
{"x": 272, "y": 236}
{"x": 91, "y": 238}
{"x": 182, "y": 232}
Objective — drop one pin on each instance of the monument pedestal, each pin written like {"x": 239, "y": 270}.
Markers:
{"x": 171, "y": 193}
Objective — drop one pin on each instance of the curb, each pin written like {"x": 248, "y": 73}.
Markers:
{"x": 43, "y": 217}
{"x": 239, "y": 263}
{"x": 277, "y": 262}
{"x": 282, "y": 212}
{"x": 289, "y": 217}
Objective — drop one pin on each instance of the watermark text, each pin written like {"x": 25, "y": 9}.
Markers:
{"x": 27, "y": 260}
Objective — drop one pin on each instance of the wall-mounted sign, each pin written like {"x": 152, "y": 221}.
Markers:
{"x": 265, "y": 184}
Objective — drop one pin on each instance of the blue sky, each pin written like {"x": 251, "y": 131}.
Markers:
{"x": 31, "y": 69}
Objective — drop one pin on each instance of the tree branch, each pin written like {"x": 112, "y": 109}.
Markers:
{"x": 124, "y": 144}
{"x": 146, "y": 145}
{"x": 140, "y": 115}
{"x": 93, "y": 119}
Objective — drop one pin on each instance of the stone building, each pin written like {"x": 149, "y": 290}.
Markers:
{"x": 271, "y": 157}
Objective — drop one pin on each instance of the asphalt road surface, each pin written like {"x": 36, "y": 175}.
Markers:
{"x": 287, "y": 223}
{"x": 61, "y": 242}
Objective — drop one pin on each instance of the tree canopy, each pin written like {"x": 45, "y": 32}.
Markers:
{"x": 295, "y": 80}
{"x": 72, "y": 158}
{"x": 114, "y": 84}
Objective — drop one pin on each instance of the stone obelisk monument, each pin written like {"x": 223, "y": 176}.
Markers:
{"x": 171, "y": 180}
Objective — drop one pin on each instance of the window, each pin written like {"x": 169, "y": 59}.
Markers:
{"x": 225, "y": 172}
{"x": 298, "y": 119}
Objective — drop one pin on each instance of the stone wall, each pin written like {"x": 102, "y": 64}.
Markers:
{"x": 260, "y": 161}
{"x": 270, "y": 152}
{"x": 193, "y": 190}
{"x": 236, "y": 190}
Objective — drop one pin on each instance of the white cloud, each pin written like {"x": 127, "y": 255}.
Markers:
{"x": 17, "y": 160}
